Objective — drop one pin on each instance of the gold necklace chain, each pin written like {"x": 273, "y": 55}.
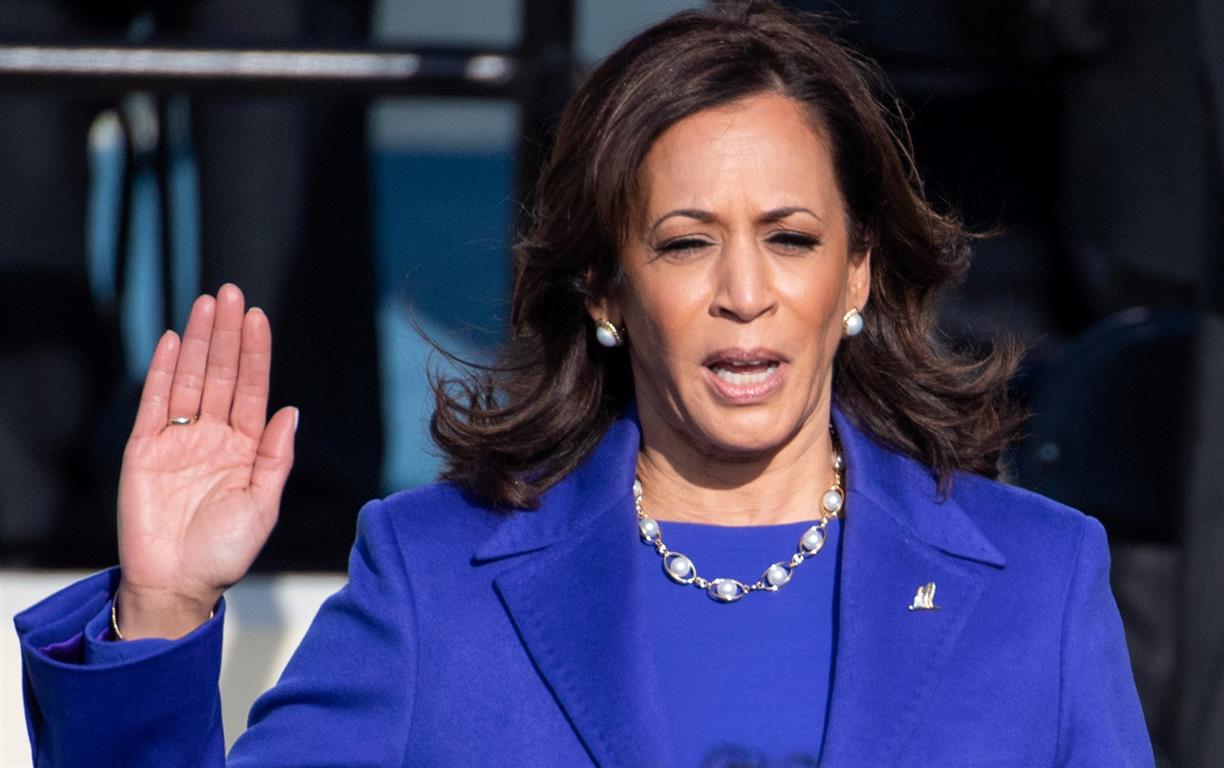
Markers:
{"x": 680, "y": 568}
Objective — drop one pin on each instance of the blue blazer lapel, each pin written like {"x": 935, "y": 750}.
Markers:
{"x": 897, "y": 537}
{"x": 573, "y": 600}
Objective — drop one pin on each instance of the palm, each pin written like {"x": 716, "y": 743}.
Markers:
{"x": 192, "y": 512}
{"x": 197, "y": 501}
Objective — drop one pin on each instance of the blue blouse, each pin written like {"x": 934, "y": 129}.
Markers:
{"x": 748, "y": 682}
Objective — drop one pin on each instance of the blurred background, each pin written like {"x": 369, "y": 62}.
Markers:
{"x": 361, "y": 166}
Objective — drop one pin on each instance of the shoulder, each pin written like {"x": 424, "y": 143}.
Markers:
{"x": 1029, "y": 528}
{"x": 437, "y": 510}
{"x": 979, "y": 519}
{"x": 994, "y": 502}
{"x": 429, "y": 522}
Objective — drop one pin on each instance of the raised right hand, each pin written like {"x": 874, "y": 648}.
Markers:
{"x": 197, "y": 502}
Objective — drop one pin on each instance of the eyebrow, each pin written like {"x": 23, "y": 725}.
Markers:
{"x": 777, "y": 214}
{"x": 708, "y": 217}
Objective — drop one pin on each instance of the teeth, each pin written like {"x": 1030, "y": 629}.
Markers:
{"x": 745, "y": 378}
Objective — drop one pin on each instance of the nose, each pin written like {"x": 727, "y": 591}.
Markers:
{"x": 745, "y": 283}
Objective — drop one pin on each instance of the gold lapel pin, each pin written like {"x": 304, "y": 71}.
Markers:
{"x": 924, "y": 598}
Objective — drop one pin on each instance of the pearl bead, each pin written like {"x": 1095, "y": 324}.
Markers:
{"x": 853, "y": 323}
{"x": 727, "y": 589}
{"x": 813, "y": 539}
{"x": 680, "y": 566}
{"x": 832, "y": 501}
{"x": 649, "y": 528}
{"x": 637, "y": 488}
{"x": 606, "y": 336}
{"x": 838, "y": 462}
{"x": 777, "y": 575}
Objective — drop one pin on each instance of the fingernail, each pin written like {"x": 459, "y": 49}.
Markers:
{"x": 297, "y": 415}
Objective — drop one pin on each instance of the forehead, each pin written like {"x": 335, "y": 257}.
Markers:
{"x": 764, "y": 151}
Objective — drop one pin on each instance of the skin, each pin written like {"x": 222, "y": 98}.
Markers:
{"x": 743, "y": 243}
{"x": 196, "y": 503}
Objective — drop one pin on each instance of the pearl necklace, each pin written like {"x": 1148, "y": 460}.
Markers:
{"x": 680, "y": 569}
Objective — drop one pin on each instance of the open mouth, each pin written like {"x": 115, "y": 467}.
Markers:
{"x": 751, "y": 372}
{"x": 745, "y": 375}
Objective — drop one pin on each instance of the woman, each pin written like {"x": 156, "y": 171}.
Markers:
{"x": 721, "y": 345}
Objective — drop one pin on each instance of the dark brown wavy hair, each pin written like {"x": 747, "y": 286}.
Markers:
{"x": 512, "y": 429}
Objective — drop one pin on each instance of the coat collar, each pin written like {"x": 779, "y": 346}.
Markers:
{"x": 579, "y": 552}
{"x": 602, "y": 481}
{"x": 899, "y": 485}
{"x": 908, "y": 492}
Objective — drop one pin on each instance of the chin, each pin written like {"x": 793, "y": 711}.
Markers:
{"x": 746, "y": 433}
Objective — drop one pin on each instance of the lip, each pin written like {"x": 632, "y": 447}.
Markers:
{"x": 748, "y": 393}
{"x": 741, "y": 355}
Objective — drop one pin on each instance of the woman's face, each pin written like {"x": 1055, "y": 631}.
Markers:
{"x": 738, "y": 273}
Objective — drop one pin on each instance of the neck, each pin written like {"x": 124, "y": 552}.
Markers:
{"x": 686, "y": 482}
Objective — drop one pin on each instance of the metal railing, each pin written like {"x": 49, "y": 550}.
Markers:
{"x": 425, "y": 72}
{"x": 537, "y": 74}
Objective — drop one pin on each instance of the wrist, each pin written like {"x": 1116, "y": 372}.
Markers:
{"x": 138, "y": 614}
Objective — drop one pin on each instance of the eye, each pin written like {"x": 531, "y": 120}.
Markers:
{"x": 794, "y": 241}
{"x": 681, "y": 246}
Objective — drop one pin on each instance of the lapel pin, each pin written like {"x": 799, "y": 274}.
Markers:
{"x": 924, "y": 598}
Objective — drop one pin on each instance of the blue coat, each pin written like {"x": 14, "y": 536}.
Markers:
{"x": 465, "y": 637}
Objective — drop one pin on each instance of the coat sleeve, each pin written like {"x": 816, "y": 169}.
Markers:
{"x": 345, "y": 698}
{"x": 90, "y": 702}
{"x": 1100, "y": 719}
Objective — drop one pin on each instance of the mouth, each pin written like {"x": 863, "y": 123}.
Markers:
{"x": 745, "y": 376}
{"x": 745, "y": 373}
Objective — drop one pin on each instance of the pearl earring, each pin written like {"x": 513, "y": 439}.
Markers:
{"x": 852, "y": 322}
{"x": 607, "y": 334}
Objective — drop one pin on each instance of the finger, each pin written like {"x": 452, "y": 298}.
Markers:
{"x": 223, "y": 352}
{"x": 254, "y": 367}
{"x": 274, "y": 458}
{"x": 188, "y": 382}
{"x": 151, "y": 414}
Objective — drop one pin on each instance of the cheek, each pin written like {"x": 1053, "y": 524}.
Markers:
{"x": 662, "y": 316}
{"x": 656, "y": 336}
{"x": 816, "y": 302}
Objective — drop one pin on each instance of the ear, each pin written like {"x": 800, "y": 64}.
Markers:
{"x": 603, "y": 308}
{"x": 858, "y": 279}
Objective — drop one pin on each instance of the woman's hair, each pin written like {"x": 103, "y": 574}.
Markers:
{"x": 512, "y": 429}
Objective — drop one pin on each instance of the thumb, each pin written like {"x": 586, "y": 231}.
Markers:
{"x": 274, "y": 458}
